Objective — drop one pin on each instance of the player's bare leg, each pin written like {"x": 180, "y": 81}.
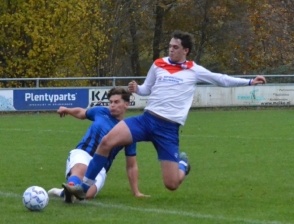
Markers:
{"x": 119, "y": 135}
{"x": 174, "y": 173}
{"x": 172, "y": 176}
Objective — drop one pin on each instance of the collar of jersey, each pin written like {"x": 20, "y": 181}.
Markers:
{"x": 176, "y": 63}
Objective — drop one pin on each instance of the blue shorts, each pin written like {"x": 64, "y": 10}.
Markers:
{"x": 163, "y": 134}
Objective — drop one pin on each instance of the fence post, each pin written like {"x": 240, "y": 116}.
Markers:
{"x": 37, "y": 82}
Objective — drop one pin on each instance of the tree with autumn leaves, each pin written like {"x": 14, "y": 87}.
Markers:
{"x": 50, "y": 38}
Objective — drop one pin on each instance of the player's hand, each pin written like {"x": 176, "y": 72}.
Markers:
{"x": 62, "y": 111}
{"x": 140, "y": 195}
{"x": 133, "y": 86}
{"x": 258, "y": 80}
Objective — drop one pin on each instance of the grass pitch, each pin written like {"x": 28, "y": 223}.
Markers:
{"x": 242, "y": 171}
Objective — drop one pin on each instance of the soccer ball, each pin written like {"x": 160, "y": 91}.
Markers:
{"x": 35, "y": 198}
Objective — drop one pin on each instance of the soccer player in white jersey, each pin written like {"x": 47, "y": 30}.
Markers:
{"x": 103, "y": 120}
{"x": 170, "y": 84}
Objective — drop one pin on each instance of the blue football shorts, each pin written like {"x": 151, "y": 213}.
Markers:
{"x": 163, "y": 134}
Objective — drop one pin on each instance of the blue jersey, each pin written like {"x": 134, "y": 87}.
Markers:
{"x": 102, "y": 123}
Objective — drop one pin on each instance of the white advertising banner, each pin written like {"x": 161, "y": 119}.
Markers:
{"x": 205, "y": 96}
{"x": 6, "y": 100}
{"x": 261, "y": 95}
{"x": 212, "y": 96}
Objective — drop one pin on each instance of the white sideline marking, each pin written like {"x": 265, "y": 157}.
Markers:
{"x": 164, "y": 211}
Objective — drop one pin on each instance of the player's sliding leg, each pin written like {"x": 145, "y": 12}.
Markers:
{"x": 99, "y": 183}
{"x": 63, "y": 193}
{"x": 95, "y": 165}
{"x": 119, "y": 135}
{"x": 75, "y": 170}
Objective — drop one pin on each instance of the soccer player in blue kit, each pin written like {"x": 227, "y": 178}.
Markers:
{"x": 170, "y": 84}
{"x": 103, "y": 120}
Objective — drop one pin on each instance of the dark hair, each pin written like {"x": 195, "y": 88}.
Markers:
{"x": 186, "y": 39}
{"x": 125, "y": 94}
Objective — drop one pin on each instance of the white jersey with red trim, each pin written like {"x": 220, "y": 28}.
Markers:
{"x": 171, "y": 87}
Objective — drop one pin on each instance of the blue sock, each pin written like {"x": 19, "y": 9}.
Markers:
{"x": 95, "y": 166}
{"x": 183, "y": 166}
{"x": 74, "y": 179}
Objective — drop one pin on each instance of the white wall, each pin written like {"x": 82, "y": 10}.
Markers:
{"x": 211, "y": 96}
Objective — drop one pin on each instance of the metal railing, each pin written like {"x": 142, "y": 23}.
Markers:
{"x": 107, "y": 81}
{"x": 39, "y": 82}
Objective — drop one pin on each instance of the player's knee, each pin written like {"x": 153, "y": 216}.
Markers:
{"x": 105, "y": 144}
{"x": 91, "y": 193}
{"x": 90, "y": 197}
{"x": 171, "y": 185}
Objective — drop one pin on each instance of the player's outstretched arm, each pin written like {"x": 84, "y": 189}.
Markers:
{"x": 133, "y": 174}
{"x": 258, "y": 80}
{"x": 76, "y": 112}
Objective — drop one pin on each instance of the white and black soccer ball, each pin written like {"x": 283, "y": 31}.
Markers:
{"x": 35, "y": 198}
